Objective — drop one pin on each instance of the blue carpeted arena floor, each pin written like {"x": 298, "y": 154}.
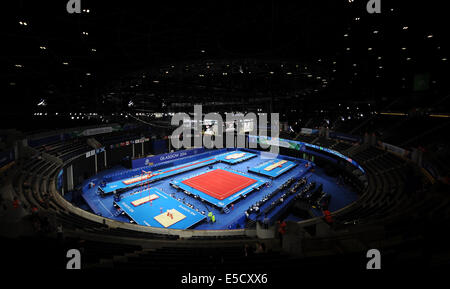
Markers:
{"x": 341, "y": 195}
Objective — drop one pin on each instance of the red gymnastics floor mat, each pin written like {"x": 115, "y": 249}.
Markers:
{"x": 219, "y": 184}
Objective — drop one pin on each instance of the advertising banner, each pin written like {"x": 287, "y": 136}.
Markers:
{"x": 59, "y": 183}
{"x": 306, "y": 130}
{"x": 96, "y": 131}
{"x": 394, "y": 149}
{"x": 345, "y": 137}
{"x": 149, "y": 161}
{"x": 94, "y": 152}
{"x": 301, "y": 146}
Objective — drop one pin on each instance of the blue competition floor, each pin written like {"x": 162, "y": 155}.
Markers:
{"x": 164, "y": 173}
{"x": 277, "y": 171}
{"x": 233, "y": 161}
{"x": 214, "y": 201}
{"x": 145, "y": 213}
{"x": 341, "y": 195}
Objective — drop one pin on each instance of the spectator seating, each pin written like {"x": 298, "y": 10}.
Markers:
{"x": 389, "y": 201}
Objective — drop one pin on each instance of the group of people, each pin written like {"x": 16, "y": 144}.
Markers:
{"x": 255, "y": 208}
{"x": 259, "y": 248}
{"x": 211, "y": 217}
{"x": 283, "y": 197}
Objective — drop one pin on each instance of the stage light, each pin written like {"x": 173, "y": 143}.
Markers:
{"x": 393, "y": 113}
{"x": 405, "y": 28}
{"x": 440, "y": 115}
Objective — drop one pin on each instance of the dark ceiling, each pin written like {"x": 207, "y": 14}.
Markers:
{"x": 72, "y": 60}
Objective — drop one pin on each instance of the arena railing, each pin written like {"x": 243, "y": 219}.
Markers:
{"x": 113, "y": 224}
{"x": 181, "y": 233}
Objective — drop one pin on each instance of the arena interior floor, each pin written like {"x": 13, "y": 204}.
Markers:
{"x": 341, "y": 194}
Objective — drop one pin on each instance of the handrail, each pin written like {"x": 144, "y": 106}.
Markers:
{"x": 187, "y": 233}
{"x": 117, "y": 224}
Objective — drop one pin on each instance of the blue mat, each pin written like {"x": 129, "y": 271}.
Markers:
{"x": 247, "y": 156}
{"x": 341, "y": 195}
{"x": 119, "y": 184}
{"x": 214, "y": 201}
{"x": 145, "y": 213}
{"x": 276, "y": 172}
